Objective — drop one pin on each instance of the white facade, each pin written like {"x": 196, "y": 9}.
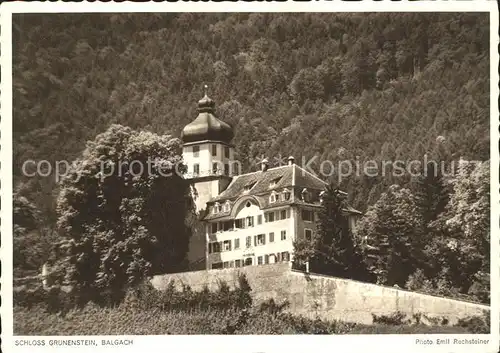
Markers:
{"x": 209, "y": 158}
{"x": 254, "y": 236}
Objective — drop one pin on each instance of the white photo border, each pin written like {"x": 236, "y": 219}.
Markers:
{"x": 245, "y": 344}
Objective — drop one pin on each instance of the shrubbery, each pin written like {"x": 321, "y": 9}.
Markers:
{"x": 226, "y": 310}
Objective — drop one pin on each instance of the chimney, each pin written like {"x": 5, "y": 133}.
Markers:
{"x": 291, "y": 160}
{"x": 264, "y": 165}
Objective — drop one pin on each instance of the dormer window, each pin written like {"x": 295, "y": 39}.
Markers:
{"x": 286, "y": 195}
{"x": 248, "y": 187}
{"x": 227, "y": 206}
{"x": 274, "y": 182}
{"x": 305, "y": 195}
{"x": 273, "y": 198}
{"x": 216, "y": 208}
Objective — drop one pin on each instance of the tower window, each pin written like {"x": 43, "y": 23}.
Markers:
{"x": 283, "y": 235}
{"x": 248, "y": 242}
{"x": 226, "y": 169}
{"x": 226, "y": 152}
{"x": 308, "y": 234}
{"x": 214, "y": 150}
{"x": 271, "y": 237}
{"x": 307, "y": 215}
{"x": 236, "y": 244}
{"x": 196, "y": 169}
{"x": 215, "y": 168}
{"x": 196, "y": 151}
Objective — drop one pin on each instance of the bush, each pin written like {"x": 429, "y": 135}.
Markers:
{"x": 476, "y": 324}
{"x": 397, "y": 318}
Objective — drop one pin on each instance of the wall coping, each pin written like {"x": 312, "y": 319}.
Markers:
{"x": 312, "y": 274}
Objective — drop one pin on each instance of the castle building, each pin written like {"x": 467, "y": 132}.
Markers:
{"x": 249, "y": 219}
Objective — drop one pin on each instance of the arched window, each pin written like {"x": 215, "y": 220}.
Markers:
{"x": 273, "y": 197}
{"x": 286, "y": 195}
{"x": 227, "y": 206}
{"x": 216, "y": 208}
{"x": 305, "y": 195}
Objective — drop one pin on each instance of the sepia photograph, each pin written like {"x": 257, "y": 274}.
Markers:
{"x": 251, "y": 173}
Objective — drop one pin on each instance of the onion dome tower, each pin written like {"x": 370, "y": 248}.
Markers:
{"x": 208, "y": 152}
{"x": 209, "y": 156}
{"x": 207, "y": 127}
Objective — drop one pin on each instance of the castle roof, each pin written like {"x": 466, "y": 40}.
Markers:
{"x": 206, "y": 126}
{"x": 259, "y": 185}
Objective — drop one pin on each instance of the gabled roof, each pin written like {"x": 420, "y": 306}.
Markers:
{"x": 289, "y": 176}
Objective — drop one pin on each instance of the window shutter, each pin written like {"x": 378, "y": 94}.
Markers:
{"x": 263, "y": 239}
{"x": 255, "y": 240}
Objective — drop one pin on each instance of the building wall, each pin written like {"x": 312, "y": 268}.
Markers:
{"x": 205, "y": 158}
{"x": 277, "y": 246}
{"x": 327, "y": 297}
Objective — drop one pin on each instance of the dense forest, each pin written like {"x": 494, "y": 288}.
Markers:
{"x": 337, "y": 86}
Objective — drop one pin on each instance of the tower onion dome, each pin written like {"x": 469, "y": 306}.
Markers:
{"x": 206, "y": 126}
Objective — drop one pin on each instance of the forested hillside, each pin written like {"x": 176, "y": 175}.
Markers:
{"x": 339, "y": 86}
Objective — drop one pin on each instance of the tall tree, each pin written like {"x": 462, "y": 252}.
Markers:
{"x": 431, "y": 194}
{"x": 123, "y": 210}
{"x": 392, "y": 231}
{"x": 332, "y": 249}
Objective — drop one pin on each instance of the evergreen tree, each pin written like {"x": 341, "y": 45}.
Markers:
{"x": 332, "y": 250}
{"x": 431, "y": 194}
{"x": 392, "y": 231}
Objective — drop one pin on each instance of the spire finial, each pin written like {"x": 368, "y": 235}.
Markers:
{"x": 205, "y": 88}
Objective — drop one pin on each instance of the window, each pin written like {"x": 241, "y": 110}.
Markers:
{"x": 216, "y": 208}
{"x": 238, "y": 223}
{"x": 216, "y": 265}
{"x": 226, "y": 152}
{"x": 271, "y": 237}
{"x": 214, "y": 227}
{"x": 305, "y": 195}
{"x": 213, "y": 247}
{"x": 266, "y": 259}
{"x": 259, "y": 260}
{"x": 227, "y": 207}
{"x": 250, "y": 221}
{"x": 226, "y": 169}
{"x": 214, "y": 150}
{"x": 283, "y": 214}
{"x": 231, "y": 264}
{"x": 196, "y": 169}
{"x": 269, "y": 217}
{"x": 283, "y": 235}
{"x": 285, "y": 256}
{"x": 215, "y": 168}
{"x": 226, "y": 264}
{"x": 273, "y": 183}
{"x": 248, "y": 261}
{"x": 196, "y": 151}
{"x": 249, "y": 186}
{"x": 259, "y": 219}
{"x": 307, "y": 215}
{"x": 227, "y": 245}
{"x": 260, "y": 239}
{"x": 249, "y": 242}
{"x": 237, "y": 263}
{"x": 286, "y": 195}
{"x": 308, "y": 234}
{"x": 227, "y": 225}
{"x": 272, "y": 198}
{"x": 236, "y": 244}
